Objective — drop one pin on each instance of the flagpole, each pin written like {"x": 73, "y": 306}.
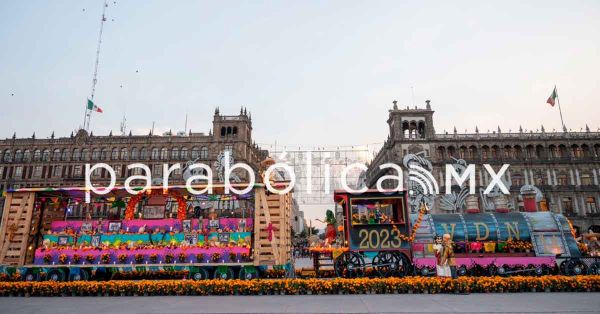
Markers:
{"x": 95, "y": 78}
{"x": 560, "y": 110}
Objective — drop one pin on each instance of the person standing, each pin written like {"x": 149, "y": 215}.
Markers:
{"x": 448, "y": 256}
{"x": 438, "y": 249}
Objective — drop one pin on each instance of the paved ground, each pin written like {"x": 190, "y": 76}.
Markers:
{"x": 423, "y": 303}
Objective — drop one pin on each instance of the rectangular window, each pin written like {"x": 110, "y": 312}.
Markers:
{"x": 77, "y": 170}
{"x": 157, "y": 170}
{"x": 18, "y": 172}
{"x": 117, "y": 169}
{"x": 56, "y": 171}
{"x": 37, "y": 171}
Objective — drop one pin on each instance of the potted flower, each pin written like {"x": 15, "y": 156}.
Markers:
{"x": 47, "y": 259}
{"x": 199, "y": 258}
{"x": 182, "y": 257}
{"x": 63, "y": 259}
{"x": 169, "y": 258}
{"x": 139, "y": 258}
{"x": 76, "y": 258}
{"x": 90, "y": 258}
{"x": 245, "y": 257}
{"x": 232, "y": 256}
{"x": 122, "y": 258}
{"x": 153, "y": 258}
{"x": 105, "y": 258}
{"x": 216, "y": 257}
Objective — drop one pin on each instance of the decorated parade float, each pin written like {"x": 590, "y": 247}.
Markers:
{"x": 378, "y": 236}
{"x": 53, "y": 234}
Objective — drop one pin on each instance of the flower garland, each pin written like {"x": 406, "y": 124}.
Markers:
{"x": 415, "y": 227}
{"x": 134, "y": 200}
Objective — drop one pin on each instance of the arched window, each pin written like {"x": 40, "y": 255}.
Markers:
{"x": 18, "y": 155}
{"x": 85, "y": 154}
{"x": 7, "y": 156}
{"x": 56, "y": 155}
{"x": 65, "y": 155}
{"x": 518, "y": 152}
{"x": 195, "y": 152}
{"x": 451, "y": 151}
{"x": 46, "y": 155}
{"x": 228, "y": 130}
{"x": 144, "y": 153}
{"x": 114, "y": 155}
{"x": 104, "y": 155}
{"x": 164, "y": 153}
{"x": 485, "y": 152}
{"x": 37, "y": 155}
{"x": 155, "y": 154}
{"x": 134, "y": 153}
{"x": 184, "y": 153}
{"x": 76, "y": 155}
{"x": 204, "y": 152}
{"x": 223, "y": 130}
{"x": 27, "y": 155}
{"x": 96, "y": 154}
{"x": 124, "y": 153}
{"x": 175, "y": 153}
{"x": 235, "y": 130}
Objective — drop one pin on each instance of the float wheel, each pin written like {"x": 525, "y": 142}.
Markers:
{"x": 594, "y": 269}
{"x": 56, "y": 275}
{"x": 198, "y": 274}
{"x": 386, "y": 264}
{"x": 349, "y": 265}
{"x": 248, "y": 273}
{"x": 575, "y": 268}
{"x": 223, "y": 273}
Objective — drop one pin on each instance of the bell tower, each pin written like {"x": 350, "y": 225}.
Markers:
{"x": 411, "y": 124}
{"x": 234, "y": 127}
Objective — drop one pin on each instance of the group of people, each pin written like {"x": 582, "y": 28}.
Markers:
{"x": 444, "y": 256}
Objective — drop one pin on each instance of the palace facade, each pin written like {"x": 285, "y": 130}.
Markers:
{"x": 60, "y": 161}
{"x": 553, "y": 171}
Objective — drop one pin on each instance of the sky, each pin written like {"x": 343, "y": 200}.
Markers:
{"x": 310, "y": 72}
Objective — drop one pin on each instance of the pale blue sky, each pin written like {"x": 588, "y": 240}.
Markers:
{"x": 311, "y": 72}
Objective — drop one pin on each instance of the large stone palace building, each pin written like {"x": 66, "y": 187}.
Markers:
{"x": 555, "y": 171}
{"x": 59, "y": 162}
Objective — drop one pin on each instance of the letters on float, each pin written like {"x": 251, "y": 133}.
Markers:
{"x": 482, "y": 230}
{"x": 513, "y": 229}
{"x": 478, "y": 231}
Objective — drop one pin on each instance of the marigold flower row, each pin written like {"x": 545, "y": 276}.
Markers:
{"x": 303, "y": 286}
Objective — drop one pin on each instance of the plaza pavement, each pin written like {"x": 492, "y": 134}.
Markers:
{"x": 422, "y": 303}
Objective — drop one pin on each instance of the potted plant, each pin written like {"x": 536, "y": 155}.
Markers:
{"x": 90, "y": 258}
{"x": 105, "y": 258}
{"x": 200, "y": 258}
{"x": 122, "y": 258}
{"x": 216, "y": 257}
{"x": 139, "y": 258}
{"x": 182, "y": 257}
{"x": 76, "y": 258}
{"x": 63, "y": 259}
{"x": 47, "y": 259}
{"x": 153, "y": 258}
{"x": 169, "y": 258}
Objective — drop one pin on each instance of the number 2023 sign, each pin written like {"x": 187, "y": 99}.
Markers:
{"x": 377, "y": 237}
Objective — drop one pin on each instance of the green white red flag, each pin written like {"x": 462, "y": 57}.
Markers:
{"x": 552, "y": 99}
{"x": 91, "y": 106}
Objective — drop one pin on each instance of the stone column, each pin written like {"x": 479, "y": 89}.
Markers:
{"x": 554, "y": 175}
{"x": 526, "y": 176}
{"x": 572, "y": 177}
{"x": 595, "y": 176}
{"x": 549, "y": 177}
{"x": 578, "y": 181}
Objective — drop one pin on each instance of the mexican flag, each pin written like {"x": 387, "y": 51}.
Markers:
{"x": 91, "y": 106}
{"x": 552, "y": 99}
